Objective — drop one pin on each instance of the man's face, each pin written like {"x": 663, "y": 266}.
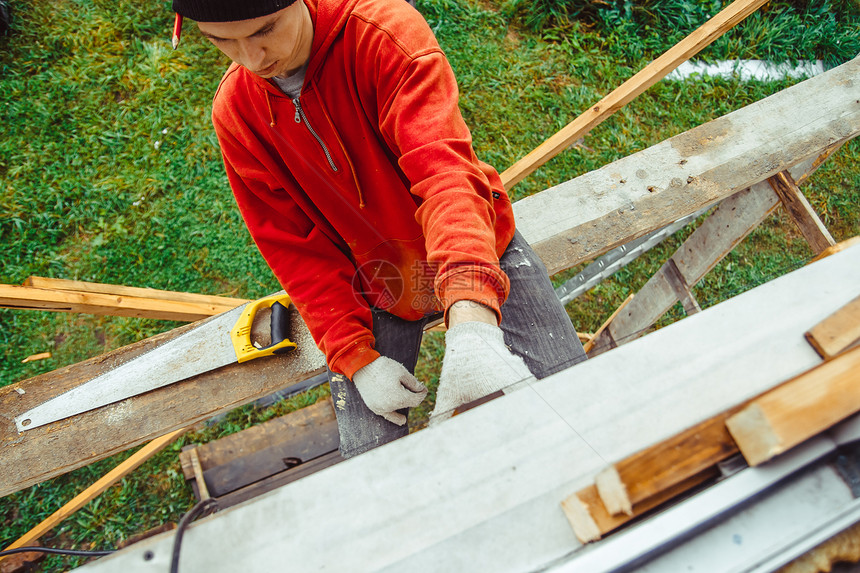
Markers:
{"x": 273, "y": 45}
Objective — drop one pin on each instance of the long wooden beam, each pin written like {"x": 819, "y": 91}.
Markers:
{"x": 122, "y": 290}
{"x": 699, "y": 39}
{"x": 93, "y": 298}
{"x": 591, "y": 214}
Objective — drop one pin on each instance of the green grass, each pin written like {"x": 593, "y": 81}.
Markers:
{"x": 110, "y": 172}
{"x": 780, "y": 30}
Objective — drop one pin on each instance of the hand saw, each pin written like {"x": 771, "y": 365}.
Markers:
{"x": 222, "y": 340}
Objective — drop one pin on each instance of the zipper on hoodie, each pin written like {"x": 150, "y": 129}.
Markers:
{"x": 300, "y": 117}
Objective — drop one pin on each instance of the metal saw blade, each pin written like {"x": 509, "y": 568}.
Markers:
{"x": 202, "y": 349}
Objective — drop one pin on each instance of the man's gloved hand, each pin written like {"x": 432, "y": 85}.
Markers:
{"x": 386, "y": 386}
{"x": 477, "y": 363}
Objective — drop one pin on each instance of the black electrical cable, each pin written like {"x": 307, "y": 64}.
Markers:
{"x": 200, "y": 509}
{"x": 37, "y": 549}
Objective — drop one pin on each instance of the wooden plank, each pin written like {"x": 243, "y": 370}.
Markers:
{"x": 36, "y": 455}
{"x": 591, "y": 214}
{"x": 801, "y": 212}
{"x": 491, "y": 481}
{"x": 241, "y": 466}
{"x": 296, "y": 426}
{"x": 661, "y": 467}
{"x": 799, "y": 409}
{"x": 735, "y": 515}
{"x": 30, "y": 298}
{"x": 837, "y": 332}
{"x": 199, "y": 479}
{"x": 256, "y": 453}
{"x": 83, "y": 498}
{"x": 279, "y": 480}
{"x": 590, "y": 519}
{"x": 121, "y": 290}
{"x": 265, "y": 463}
{"x": 185, "y": 461}
{"x": 700, "y": 38}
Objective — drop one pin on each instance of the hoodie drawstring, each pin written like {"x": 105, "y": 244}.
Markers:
{"x": 271, "y": 113}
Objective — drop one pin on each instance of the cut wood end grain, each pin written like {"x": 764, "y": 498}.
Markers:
{"x": 577, "y": 513}
{"x": 613, "y": 492}
{"x": 754, "y": 435}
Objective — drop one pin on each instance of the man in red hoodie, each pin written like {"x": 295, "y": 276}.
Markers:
{"x": 354, "y": 171}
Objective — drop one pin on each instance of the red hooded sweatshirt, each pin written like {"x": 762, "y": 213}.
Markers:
{"x": 365, "y": 190}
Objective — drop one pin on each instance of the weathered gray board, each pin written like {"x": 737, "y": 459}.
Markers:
{"x": 568, "y": 224}
{"x": 42, "y": 453}
{"x": 586, "y": 216}
{"x": 481, "y": 492}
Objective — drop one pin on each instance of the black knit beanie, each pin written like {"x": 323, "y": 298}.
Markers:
{"x": 227, "y": 10}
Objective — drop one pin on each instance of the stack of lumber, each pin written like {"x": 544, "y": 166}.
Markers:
{"x": 760, "y": 429}
{"x": 59, "y": 295}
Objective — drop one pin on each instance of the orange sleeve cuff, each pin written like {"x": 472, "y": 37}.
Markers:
{"x": 353, "y": 358}
{"x": 484, "y": 285}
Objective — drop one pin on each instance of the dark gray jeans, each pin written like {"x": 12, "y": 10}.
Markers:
{"x": 536, "y": 328}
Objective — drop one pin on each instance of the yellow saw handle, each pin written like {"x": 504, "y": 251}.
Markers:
{"x": 241, "y": 332}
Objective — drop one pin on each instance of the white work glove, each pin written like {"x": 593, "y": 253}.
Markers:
{"x": 477, "y": 363}
{"x": 386, "y": 386}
